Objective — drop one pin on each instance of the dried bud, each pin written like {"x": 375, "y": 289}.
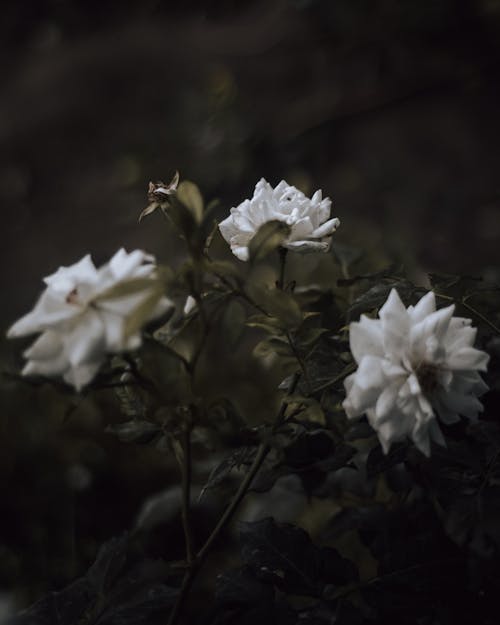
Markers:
{"x": 159, "y": 194}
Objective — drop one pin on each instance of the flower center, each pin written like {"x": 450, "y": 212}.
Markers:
{"x": 427, "y": 375}
{"x": 72, "y": 297}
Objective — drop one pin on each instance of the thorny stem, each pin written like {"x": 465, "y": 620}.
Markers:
{"x": 195, "y": 565}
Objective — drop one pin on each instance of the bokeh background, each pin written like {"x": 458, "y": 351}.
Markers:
{"x": 390, "y": 106}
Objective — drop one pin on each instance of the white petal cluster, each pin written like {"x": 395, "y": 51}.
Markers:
{"x": 414, "y": 364}
{"x": 309, "y": 219}
{"x": 83, "y": 314}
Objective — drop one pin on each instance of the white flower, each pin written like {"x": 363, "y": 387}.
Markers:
{"x": 414, "y": 364}
{"x": 86, "y": 312}
{"x": 310, "y": 221}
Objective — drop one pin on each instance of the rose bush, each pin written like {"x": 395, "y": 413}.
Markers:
{"x": 266, "y": 382}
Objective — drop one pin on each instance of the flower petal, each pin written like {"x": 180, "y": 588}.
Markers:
{"x": 364, "y": 387}
{"x": 49, "y": 311}
{"x": 424, "y": 307}
{"x": 47, "y": 346}
{"x": 366, "y": 338}
{"x": 395, "y": 325}
{"x": 467, "y": 358}
{"x": 82, "y": 375}
{"x": 64, "y": 280}
{"x": 86, "y": 342}
{"x": 308, "y": 246}
{"x": 326, "y": 229}
{"x": 465, "y": 405}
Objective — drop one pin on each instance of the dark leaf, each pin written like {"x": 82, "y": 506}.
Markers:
{"x": 242, "y": 587}
{"x": 376, "y": 296}
{"x": 153, "y": 601}
{"x": 222, "y": 471}
{"x": 109, "y": 562}
{"x": 284, "y": 555}
{"x": 359, "y": 430}
{"x": 243, "y": 599}
{"x": 308, "y": 448}
{"x": 338, "y": 613}
{"x": 85, "y": 599}
{"x": 58, "y": 608}
{"x": 378, "y": 462}
{"x": 135, "y": 431}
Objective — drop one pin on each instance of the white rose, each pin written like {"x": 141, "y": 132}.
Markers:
{"x": 414, "y": 364}
{"x": 309, "y": 219}
{"x": 83, "y": 314}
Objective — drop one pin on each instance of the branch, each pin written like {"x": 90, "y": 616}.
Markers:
{"x": 197, "y": 563}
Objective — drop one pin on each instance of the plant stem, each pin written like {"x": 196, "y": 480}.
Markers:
{"x": 299, "y": 358}
{"x": 186, "y": 469}
{"x": 343, "y": 374}
{"x": 195, "y": 565}
{"x": 280, "y": 284}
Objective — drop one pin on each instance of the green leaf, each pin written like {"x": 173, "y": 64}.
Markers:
{"x": 267, "y": 239}
{"x": 189, "y": 194}
{"x": 310, "y": 409}
{"x": 271, "y": 325}
{"x": 142, "y": 313}
{"x": 271, "y": 346}
{"x": 276, "y": 303}
{"x": 221, "y": 268}
{"x": 129, "y": 287}
{"x": 234, "y": 322}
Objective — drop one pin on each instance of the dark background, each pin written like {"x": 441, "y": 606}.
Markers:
{"x": 390, "y": 106}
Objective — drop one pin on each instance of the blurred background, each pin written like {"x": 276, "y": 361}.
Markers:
{"x": 390, "y": 106}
